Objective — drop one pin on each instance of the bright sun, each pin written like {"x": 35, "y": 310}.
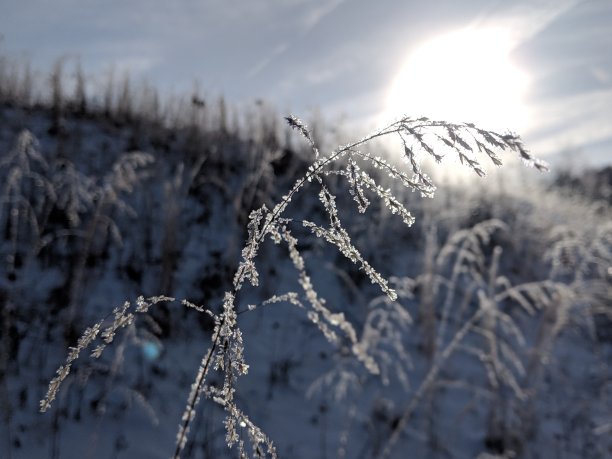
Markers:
{"x": 466, "y": 75}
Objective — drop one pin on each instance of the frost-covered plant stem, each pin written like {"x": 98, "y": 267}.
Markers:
{"x": 78, "y": 274}
{"x": 429, "y": 380}
{"x": 125, "y": 174}
{"x": 240, "y": 275}
{"x": 194, "y": 397}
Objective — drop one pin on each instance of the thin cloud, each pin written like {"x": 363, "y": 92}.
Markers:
{"x": 307, "y": 23}
{"x": 529, "y": 18}
{"x": 581, "y": 119}
{"x": 317, "y": 14}
{"x": 266, "y": 61}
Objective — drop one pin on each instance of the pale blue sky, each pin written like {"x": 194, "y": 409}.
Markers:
{"x": 340, "y": 56}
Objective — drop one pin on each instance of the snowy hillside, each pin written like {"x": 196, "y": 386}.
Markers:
{"x": 498, "y": 345}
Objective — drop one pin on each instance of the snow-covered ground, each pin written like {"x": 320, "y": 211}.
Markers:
{"x": 82, "y": 232}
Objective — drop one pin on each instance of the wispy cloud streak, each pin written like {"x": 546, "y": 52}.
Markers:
{"x": 308, "y": 22}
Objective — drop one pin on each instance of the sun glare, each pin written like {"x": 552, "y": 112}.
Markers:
{"x": 466, "y": 75}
